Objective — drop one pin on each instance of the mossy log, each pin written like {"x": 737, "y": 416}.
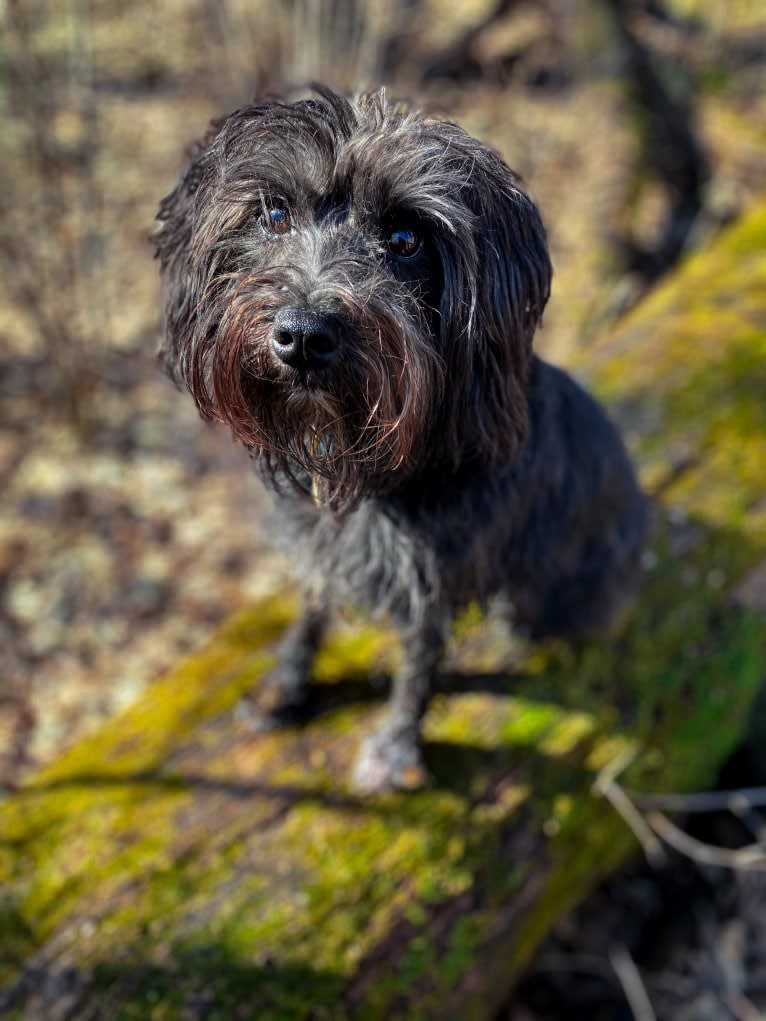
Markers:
{"x": 177, "y": 866}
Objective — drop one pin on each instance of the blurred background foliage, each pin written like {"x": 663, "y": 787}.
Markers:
{"x": 128, "y": 530}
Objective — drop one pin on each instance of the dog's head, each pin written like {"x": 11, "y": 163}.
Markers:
{"x": 353, "y": 289}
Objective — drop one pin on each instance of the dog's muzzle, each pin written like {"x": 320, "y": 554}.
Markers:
{"x": 305, "y": 340}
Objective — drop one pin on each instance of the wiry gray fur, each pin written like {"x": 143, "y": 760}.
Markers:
{"x": 430, "y": 458}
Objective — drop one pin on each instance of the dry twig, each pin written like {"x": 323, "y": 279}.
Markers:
{"x": 632, "y": 984}
{"x": 654, "y": 826}
{"x": 704, "y": 801}
{"x": 753, "y": 856}
{"x": 606, "y": 785}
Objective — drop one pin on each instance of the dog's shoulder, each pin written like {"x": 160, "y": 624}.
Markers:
{"x": 569, "y": 422}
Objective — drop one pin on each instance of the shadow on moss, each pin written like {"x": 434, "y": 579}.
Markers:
{"x": 205, "y": 982}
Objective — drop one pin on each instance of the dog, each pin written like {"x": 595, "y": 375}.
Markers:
{"x": 353, "y": 288}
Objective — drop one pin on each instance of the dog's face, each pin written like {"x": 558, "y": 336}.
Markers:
{"x": 353, "y": 289}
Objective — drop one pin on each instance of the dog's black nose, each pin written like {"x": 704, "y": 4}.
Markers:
{"x": 304, "y": 340}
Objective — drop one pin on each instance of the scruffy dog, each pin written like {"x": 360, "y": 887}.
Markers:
{"x": 353, "y": 289}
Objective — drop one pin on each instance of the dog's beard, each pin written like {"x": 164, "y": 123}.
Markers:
{"x": 345, "y": 432}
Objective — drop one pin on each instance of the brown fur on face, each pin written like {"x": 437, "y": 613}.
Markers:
{"x": 459, "y": 319}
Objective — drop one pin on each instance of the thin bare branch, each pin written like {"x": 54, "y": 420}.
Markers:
{"x": 632, "y": 984}
{"x": 734, "y": 801}
{"x": 606, "y": 785}
{"x": 753, "y": 856}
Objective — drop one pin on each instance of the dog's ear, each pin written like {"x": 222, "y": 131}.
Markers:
{"x": 495, "y": 290}
{"x": 183, "y": 277}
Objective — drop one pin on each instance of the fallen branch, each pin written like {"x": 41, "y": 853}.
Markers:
{"x": 606, "y": 785}
{"x": 632, "y": 984}
{"x": 753, "y": 856}
{"x": 654, "y": 827}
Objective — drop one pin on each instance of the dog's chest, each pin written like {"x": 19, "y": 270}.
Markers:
{"x": 387, "y": 558}
{"x": 370, "y": 558}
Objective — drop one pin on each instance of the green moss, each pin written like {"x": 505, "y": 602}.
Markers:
{"x": 16, "y": 937}
{"x": 357, "y": 652}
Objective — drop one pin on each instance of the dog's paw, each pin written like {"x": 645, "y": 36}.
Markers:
{"x": 386, "y": 762}
{"x": 280, "y": 701}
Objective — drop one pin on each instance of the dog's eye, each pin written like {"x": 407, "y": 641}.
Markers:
{"x": 277, "y": 220}
{"x": 404, "y": 243}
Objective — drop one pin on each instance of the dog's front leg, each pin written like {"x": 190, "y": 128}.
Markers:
{"x": 390, "y": 757}
{"x": 285, "y": 690}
